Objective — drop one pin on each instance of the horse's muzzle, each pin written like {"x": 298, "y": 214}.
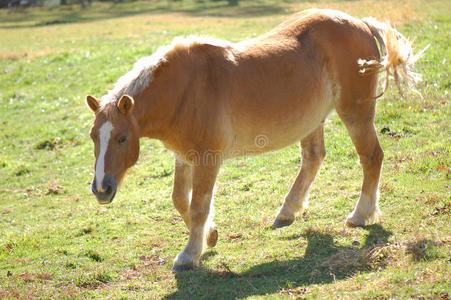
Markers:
{"x": 108, "y": 190}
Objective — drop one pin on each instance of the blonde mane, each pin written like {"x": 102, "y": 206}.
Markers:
{"x": 136, "y": 80}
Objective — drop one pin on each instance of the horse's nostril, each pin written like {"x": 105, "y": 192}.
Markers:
{"x": 109, "y": 190}
{"x": 105, "y": 194}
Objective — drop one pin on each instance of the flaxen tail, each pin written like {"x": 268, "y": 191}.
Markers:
{"x": 397, "y": 56}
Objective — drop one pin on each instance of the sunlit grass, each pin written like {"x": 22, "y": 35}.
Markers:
{"x": 56, "y": 241}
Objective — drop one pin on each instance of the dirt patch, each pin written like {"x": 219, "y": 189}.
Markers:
{"x": 28, "y": 277}
{"x": 10, "y": 293}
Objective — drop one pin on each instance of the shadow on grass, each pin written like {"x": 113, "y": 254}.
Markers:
{"x": 40, "y": 17}
{"x": 323, "y": 262}
{"x": 66, "y": 15}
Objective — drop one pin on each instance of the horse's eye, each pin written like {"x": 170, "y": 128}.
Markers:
{"x": 122, "y": 139}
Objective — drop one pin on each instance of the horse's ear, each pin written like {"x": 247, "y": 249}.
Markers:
{"x": 125, "y": 104}
{"x": 92, "y": 103}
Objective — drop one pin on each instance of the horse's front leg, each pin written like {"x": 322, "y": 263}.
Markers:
{"x": 203, "y": 181}
{"x": 183, "y": 177}
{"x": 182, "y": 189}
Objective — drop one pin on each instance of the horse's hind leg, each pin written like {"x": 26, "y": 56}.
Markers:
{"x": 358, "y": 119}
{"x": 181, "y": 197}
{"x": 313, "y": 153}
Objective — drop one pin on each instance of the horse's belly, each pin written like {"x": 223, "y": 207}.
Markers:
{"x": 282, "y": 114}
{"x": 273, "y": 134}
{"x": 275, "y": 126}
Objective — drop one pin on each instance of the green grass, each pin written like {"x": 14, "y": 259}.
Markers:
{"x": 56, "y": 241}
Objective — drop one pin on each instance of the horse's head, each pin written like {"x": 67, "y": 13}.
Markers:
{"x": 116, "y": 144}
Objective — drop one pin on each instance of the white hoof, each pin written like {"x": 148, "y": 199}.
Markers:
{"x": 183, "y": 261}
{"x": 357, "y": 220}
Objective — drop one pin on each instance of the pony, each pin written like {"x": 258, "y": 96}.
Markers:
{"x": 209, "y": 100}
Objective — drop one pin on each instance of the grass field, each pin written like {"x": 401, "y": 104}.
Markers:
{"x": 57, "y": 242}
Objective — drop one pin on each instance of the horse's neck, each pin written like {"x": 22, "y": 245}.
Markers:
{"x": 142, "y": 115}
{"x": 151, "y": 115}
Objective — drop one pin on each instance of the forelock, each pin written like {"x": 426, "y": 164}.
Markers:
{"x": 110, "y": 110}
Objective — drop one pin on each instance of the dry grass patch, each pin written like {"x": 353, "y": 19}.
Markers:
{"x": 367, "y": 258}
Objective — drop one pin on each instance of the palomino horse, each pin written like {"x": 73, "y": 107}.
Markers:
{"x": 208, "y": 100}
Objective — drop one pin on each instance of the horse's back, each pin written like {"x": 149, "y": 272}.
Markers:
{"x": 288, "y": 80}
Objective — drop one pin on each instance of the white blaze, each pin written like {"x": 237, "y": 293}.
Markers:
{"x": 104, "y": 139}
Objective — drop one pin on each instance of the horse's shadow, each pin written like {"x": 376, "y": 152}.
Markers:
{"x": 323, "y": 262}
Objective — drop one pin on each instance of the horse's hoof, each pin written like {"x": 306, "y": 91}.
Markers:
{"x": 355, "y": 221}
{"x": 352, "y": 223}
{"x": 279, "y": 223}
{"x": 212, "y": 238}
{"x": 180, "y": 268}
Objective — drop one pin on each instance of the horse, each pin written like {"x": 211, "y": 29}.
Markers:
{"x": 209, "y": 100}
